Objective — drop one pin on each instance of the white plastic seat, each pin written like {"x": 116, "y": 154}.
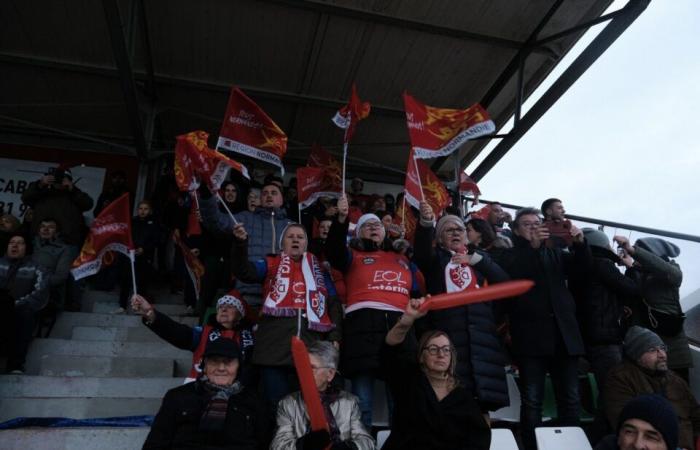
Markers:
{"x": 557, "y": 438}
{"x": 510, "y": 413}
{"x": 502, "y": 439}
{"x": 382, "y": 436}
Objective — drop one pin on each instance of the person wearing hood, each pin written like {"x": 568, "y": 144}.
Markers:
{"x": 450, "y": 266}
{"x": 645, "y": 370}
{"x": 299, "y": 301}
{"x": 214, "y": 412}
{"x": 229, "y": 322}
{"x": 379, "y": 282}
{"x": 658, "y": 305}
{"x": 265, "y": 225}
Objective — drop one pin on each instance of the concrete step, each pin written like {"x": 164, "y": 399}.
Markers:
{"x": 77, "y": 408}
{"x": 128, "y": 334}
{"x": 102, "y": 366}
{"x": 43, "y": 387}
{"x": 67, "y": 320}
{"x": 73, "y": 438}
{"x": 170, "y": 310}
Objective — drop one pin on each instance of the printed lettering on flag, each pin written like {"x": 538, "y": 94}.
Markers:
{"x": 110, "y": 231}
{"x": 438, "y": 132}
{"x": 246, "y": 129}
{"x": 309, "y": 184}
{"x": 348, "y": 116}
{"x": 195, "y": 161}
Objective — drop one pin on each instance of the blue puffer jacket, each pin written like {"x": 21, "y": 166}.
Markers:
{"x": 264, "y": 227}
{"x": 29, "y": 285}
{"x": 472, "y": 329}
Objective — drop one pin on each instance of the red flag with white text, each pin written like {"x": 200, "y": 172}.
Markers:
{"x": 196, "y": 162}
{"x": 348, "y": 116}
{"x": 110, "y": 231}
{"x": 421, "y": 183}
{"x": 246, "y": 129}
{"x": 438, "y": 132}
{"x": 309, "y": 184}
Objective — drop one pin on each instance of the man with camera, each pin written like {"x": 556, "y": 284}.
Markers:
{"x": 55, "y": 196}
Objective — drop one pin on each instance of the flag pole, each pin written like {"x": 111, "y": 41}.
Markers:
{"x": 345, "y": 153}
{"x": 403, "y": 211}
{"x": 221, "y": 200}
{"x": 420, "y": 183}
{"x": 132, "y": 258}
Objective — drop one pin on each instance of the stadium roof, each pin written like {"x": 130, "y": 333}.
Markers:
{"x": 127, "y": 76}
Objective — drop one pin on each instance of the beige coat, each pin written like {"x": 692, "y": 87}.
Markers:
{"x": 293, "y": 422}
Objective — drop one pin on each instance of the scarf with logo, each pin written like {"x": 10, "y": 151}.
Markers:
{"x": 459, "y": 277}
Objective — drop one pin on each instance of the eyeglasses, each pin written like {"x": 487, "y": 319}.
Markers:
{"x": 433, "y": 350}
{"x": 530, "y": 224}
{"x": 372, "y": 225}
{"x": 456, "y": 230}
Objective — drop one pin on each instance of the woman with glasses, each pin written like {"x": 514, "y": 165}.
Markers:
{"x": 433, "y": 408}
{"x": 453, "y": 266}
{"x": 379, "y": 283}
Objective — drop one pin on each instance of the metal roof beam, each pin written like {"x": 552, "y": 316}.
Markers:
{"x": 399, "y": 22}
{"x": 126, "y": 76}
{"x": 589, "y": 55}
{"x": 163, "y": 80}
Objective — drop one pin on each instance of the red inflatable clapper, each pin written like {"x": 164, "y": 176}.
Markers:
{"x": 308, "y": 386}
{"x": 485, "y": 294}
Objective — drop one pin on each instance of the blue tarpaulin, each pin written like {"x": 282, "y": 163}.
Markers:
{"x": 63, "y": 422}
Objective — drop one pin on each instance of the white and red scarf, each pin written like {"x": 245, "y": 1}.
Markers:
{"x": 459, "y": 277}
{"x": 286, "y": 295}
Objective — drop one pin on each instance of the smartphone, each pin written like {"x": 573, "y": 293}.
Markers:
{"x": 559, "y": 231}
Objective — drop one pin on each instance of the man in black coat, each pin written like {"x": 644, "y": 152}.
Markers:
{"x": 543, "y": 326}
{"x": 214, "y": 412}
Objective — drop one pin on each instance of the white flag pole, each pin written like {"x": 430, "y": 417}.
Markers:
{"x": 345, "y": 153}
{"x": 221, "y": 200}
{"x": 420, "y": 183}
{"x": 132, "y": 258}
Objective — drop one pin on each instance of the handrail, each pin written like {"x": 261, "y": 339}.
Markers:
{"x": 610, "y": 223}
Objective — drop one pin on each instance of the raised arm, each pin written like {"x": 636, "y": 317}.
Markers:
{"x": 245, "y": 270}
{"x": 336, "y": 249}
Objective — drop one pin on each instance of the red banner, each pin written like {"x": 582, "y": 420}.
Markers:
{"x": 195, "y": 161}
{"x": 419, "y": 174}
{"x": 248, "y": 130}
{"x": 438, "y": 132}
{"x": 348, "y": 116}
{"x": 467, "y": 185}
{"x": 111, "y": 230}
{"x": 332, "y": 177}
{"x": 309, "y": 184}
{"x": 307, "y": 385}
{"x": 194, "y": 266}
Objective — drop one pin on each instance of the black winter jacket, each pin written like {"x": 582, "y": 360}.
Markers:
{"x": 147, "y": 235}
{"x": 472, "y": 329}
{"x": 421, "y": 421}
{"x": 543, "y": 320}
{"x": 601, "y": 301}
{"x": 176, "y": 426}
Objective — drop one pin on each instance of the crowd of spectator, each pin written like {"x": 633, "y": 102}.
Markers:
{"x": 344, "y": 277}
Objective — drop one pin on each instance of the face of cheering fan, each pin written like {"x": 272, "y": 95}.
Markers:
{"x": 227, "y": 316}
{"x": 473, "y": 236}
{"x": 373, "y": 230}
{"x": 453, "y": 236}
{"x": 436, "y": 355}
{"x": 294, "y": 241}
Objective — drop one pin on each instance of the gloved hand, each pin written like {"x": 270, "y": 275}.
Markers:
{"x": 314, "y": 440}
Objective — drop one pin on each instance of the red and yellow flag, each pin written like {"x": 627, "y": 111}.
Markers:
{"x": 421, "y": 183}
{"x": 195, "y": 162}
{"x": 348, "y": 116}
{"x": 332, "y": 176}
{"x": 248, "y": 130}
{"x": 111, "y": 230}
{"x": 194, "y": 266}
{"x": 404, "y": 216}
{"x": 438, "y": 132}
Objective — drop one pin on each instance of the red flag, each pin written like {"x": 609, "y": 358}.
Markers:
{"x": 309, "y": 183}
{"x": 248, "y": 130}
{"x": 433, "y": 190}
{"x": 332, "y": 178}
{"x": 440, "y": 131}
{"x": 111, "y": 230}
{"x": 194, "y": 267}
{"x": 195, "y": 161}
{"x": 348, "y": 116}
{"x": 482, "y": 213}
{"x": 193, "y": 227}
{"x": 404, "y": 216}
{"x": 468, "y": 185}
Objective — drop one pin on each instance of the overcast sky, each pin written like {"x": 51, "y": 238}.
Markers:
{"x": 621, "y": 143}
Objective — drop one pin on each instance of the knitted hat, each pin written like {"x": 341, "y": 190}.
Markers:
{"x": 233, "y": 298}
{"x": 638, "y": 340}
{"x": 446, "y": 220}
{"x": 364, "y": 219}
{"x": 596, "y": 238}
{"x": 659, "y": 247}
{"x": 221, "y": 346}
{"x": 655, "y": 410}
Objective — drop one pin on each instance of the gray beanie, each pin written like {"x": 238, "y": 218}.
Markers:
{"x": 596, "y": 238}
{"x": 638, "y": 340}
{"x": 445, "y": 220}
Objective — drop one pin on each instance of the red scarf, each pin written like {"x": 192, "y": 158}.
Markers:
{"x": 292, "y": 286}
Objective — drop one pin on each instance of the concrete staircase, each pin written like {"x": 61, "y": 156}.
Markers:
{"x": 93, "y": 365}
